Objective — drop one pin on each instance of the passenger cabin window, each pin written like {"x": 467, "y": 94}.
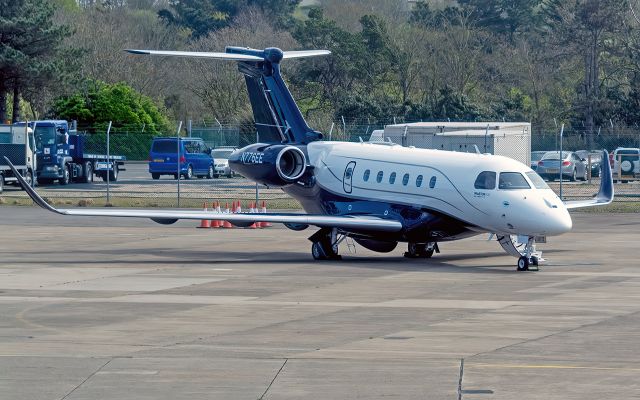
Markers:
{"x": 365, "y": 177}
{"x": 405, "y": 179}
{"x": 486, "y": 180}
{"x": 512, "y": 181}
{"x": 432, "y": 182}
{"x": 379, "y": 177}
{"x": 392, "y": 178}
{"x": 419, "y": 181}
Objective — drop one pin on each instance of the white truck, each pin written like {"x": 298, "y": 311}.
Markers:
{"x": 18, "y": 145}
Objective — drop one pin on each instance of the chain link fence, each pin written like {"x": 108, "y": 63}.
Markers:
{"x": 135, "y": 187}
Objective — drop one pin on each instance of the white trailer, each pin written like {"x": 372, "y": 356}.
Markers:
{"x": 510, "y": 139}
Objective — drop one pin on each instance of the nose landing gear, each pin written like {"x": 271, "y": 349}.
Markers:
{"x": 528, "y": 256}
{"x": 529, "y": 261}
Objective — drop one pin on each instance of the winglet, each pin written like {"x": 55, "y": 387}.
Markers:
{"x": 30, "y": 191}
{"x": 605, "y": 193}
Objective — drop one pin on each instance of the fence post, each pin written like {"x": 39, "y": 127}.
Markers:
{"x": 109, "y": 162}
{"x": 561, "y": 133}
{"x": 178, "y": 159}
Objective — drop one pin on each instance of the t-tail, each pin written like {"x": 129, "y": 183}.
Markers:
{"x": 277, "y": 116}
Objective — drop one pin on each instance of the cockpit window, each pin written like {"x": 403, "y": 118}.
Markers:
{"x": 512, "y": 181}
{"x": 486, "y": 180}
{"x": 537, "y": 181}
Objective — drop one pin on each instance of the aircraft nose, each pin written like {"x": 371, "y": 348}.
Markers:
{"x": 562, "y": 222}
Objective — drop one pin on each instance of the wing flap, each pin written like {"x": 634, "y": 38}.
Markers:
{"x": 605, "y": 193}
{"x": 359, "y": 222}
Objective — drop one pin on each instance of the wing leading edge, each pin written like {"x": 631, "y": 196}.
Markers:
{"x": 605, "y": 194}
{"x": 367, "y": 223}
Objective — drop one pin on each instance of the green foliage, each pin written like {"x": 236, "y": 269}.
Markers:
{"x": 118, "y": 103}
{"x": 204, "y": 16}
{"x": 30, "y": 48}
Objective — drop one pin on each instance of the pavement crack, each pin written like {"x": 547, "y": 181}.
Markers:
{"x": 87, "y": 378}
{"x": 273, "y": 380}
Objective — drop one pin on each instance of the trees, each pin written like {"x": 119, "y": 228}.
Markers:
{"x": 119, "y": 103}
{"x": 204, "y": 16}
{"x": 30, "y": 49}
{"x": 589, "y": 29}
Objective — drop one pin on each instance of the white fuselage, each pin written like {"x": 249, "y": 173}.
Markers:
{"x": 442, "y": 181}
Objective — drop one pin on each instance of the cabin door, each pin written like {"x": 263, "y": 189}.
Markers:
{"x": 348, "y": 177}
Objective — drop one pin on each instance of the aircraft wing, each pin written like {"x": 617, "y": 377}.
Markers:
{"x": 359, "y": 222}
{"x": 605, "y": 194}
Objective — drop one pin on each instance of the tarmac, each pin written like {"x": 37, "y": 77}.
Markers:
{"x": 128, "y": 309}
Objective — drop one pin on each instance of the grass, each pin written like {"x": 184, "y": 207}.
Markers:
{"x": 127, "y": 202}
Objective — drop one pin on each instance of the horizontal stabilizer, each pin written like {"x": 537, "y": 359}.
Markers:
{"x": 364, "y": 223}
{"x": 305, "y": 53}
{"x": 232, "y": 56}
{"x": 605, "y": 194}
{"x": 199, "y": 54}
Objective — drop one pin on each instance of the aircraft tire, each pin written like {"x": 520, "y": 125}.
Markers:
{"x": 523, "y": 264}
{"x": 317, "y": 251}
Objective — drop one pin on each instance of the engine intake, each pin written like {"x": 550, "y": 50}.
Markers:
{"x": 291, "y": 164}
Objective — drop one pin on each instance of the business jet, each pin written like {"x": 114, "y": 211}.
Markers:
{"x": 378, "y": 194}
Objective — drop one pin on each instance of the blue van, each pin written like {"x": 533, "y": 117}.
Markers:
{"x": 195, "y": 158}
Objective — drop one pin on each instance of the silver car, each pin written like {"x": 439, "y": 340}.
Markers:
{"x": 221, "y": 157}
{"x": 573, "y": 167}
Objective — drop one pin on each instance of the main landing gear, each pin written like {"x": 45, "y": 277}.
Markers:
{"x": 421, "y": 250}
{"x": 325, "y": 244}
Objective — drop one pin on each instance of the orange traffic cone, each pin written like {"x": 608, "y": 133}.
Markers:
{"x": 205, "y": 223}
{"x": 225, "y": 223}
{"x": 216, "y": 208}
{"x": 252, "y": 210}
{"x": 264, "y": 211}
{"x": 238, "y": 208}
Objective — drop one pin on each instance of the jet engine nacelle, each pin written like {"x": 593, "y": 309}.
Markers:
{"x": 272, "y": 165}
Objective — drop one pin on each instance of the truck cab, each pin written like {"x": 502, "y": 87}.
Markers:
{"x": 18, "y": 145}
{"x": 52, "y": 143}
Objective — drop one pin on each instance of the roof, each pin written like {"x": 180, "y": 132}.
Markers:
{"x": 463, "y": 125}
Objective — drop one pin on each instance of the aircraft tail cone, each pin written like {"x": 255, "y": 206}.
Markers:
{"x": 205, "y": 223}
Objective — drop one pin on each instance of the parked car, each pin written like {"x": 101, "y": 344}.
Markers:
{"x": 596, "y": 160}
{"x": 221, "y": 155}
{"x": 195, "y": 158}
{"x": 572, "y": 166}
{"x": 629, "y": 159}
{"x": 535, "y": 157}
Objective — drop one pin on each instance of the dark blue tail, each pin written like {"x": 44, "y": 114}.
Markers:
{"x": 277, "y": 117}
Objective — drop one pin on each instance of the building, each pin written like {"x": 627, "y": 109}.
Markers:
{"x": 510, "y": 139}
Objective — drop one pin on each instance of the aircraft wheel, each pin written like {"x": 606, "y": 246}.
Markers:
{"x": 418, "y": 250}
{"x": 317, "y": 251}
{"x": 323, "y": 250}
{"x": 523, "y": 264}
